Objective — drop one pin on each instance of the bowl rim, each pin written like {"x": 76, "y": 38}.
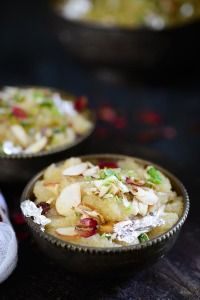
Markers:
{"x": 95, "y": 25}
{"x": 58, "y": 149}
{"x": 80, "y": 248}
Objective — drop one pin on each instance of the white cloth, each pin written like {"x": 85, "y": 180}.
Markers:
{"x": 8, "y": 244}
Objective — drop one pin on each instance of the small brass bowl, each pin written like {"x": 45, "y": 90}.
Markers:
{"x": 19, "y": 168}
{"x": 95, "y": 260}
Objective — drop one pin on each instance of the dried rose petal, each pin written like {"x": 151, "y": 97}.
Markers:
{"x": 134, "y": 182}
{"x": 107, "y": 164}
{"x": 87, "y": 227}
{"x": 149, "y": 135}
{"x": 120, "y": 122}
{"x": 169, "y": 132}
{"x": 107, "y": 114}
{"x": 19, "y": 112}
{"x": 150, "y": 117}
{"x": 86, "y": 232}
{"x": 45, "y": 207}
{"x": 89, "y": 222}
{"x": 81, "y": 103}
{"x": 102, "y": 133}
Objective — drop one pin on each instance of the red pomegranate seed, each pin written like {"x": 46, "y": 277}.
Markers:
{"x": 81, "y": 103}
{"x": 19, "y": 112}
{"x": 108, "y": 164}
{"x": 45, "y": 207}
{"x": 89, "y": 222}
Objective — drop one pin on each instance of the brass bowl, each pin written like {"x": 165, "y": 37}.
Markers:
{"x": 95, "y": 260}
{"x": 19, "y": 168}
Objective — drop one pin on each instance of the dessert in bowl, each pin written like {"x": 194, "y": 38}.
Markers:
{"x": 126, "y": 211}
{"x": 37, "y": 122}
{"x": 156, "y": 14}
{"x": 134, "y": 35}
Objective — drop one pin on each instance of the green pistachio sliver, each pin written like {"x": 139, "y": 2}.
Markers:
{"x": 19, "y": 98}
{"x": 37, "y": 94}
{"x": 143, "y": 237}
{"x": 118, "y": 199}
{"x": 59, "y": 129}
{"x": 109, "y": 172}
{"x": 154, "y": 175}
{"x": 88, "y": 178}
{"x": 55, "y": 111}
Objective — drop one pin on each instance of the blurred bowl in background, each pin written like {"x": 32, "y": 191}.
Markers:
{"x": 20, "y": 167}
{"x": 138, "y": 48}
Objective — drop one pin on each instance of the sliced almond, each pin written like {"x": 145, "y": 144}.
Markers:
{"x": 20, "y": 134}
{"x": 37, "y": 146}
{"x": 114, "y": 189}
{"x": 103, "y": 190}
{"x": 135, "y": 208}
{"x": 69, "y": 198}
{"x": 91, "y": 171}
{"x": 143, "y": 208}
{"x": 75, "y": 170}
{"x": 98, "y": 183}
{"x": 123, "y": 187}
{"x": 146, "y": 196}
{"x": 66, "y": 231}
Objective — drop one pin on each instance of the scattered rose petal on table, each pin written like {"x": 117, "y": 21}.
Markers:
{"x": 150, "y": 117}
{"x": 81, "y": 103}
{"x": 156, "y": 134}
{"x": 120, "y": 122}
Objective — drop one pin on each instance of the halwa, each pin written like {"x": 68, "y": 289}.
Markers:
{"x": 104, "y": 204}
{"x": 39, "y": 119}
{"x": 156, "y": 14}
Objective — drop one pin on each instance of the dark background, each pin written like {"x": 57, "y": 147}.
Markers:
{"x": 157, "y": 119}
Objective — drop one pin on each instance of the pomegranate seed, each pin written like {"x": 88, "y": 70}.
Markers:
{"x": 45, "y": 207}
{"x": 19, "y": 112}
{"x": 89, "y": 222}
{"x": 81, "y": 103}
{"x": 108, "y": 164}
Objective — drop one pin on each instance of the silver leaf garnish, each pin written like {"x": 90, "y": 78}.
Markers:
{"x": 29, "y": 209}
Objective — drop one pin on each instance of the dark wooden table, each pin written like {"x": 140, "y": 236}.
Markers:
{"x": 156, "y": 121}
